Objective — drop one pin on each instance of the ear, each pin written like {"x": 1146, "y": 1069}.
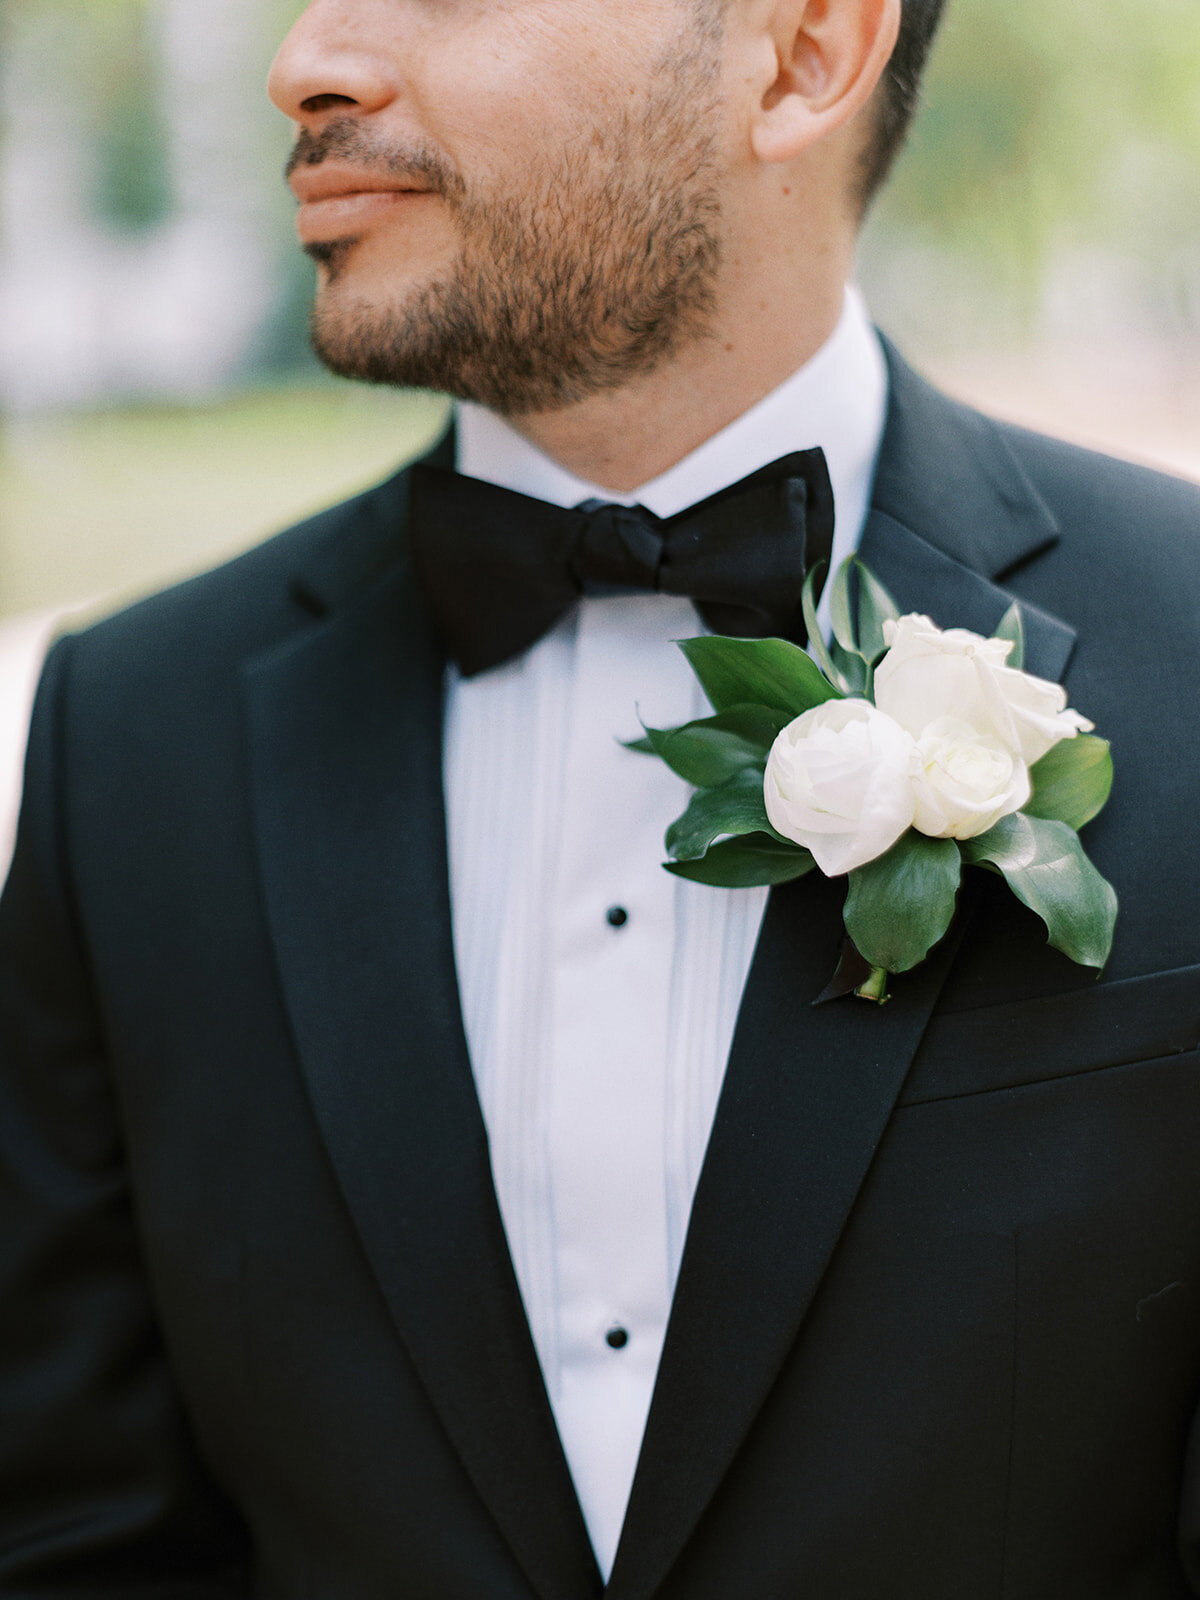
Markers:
{"x": 820, "y": 62}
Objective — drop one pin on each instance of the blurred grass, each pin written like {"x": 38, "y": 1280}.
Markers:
{"x": 105, "y": 506}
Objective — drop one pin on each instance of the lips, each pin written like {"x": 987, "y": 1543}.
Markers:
{"x": 337, "y": 200}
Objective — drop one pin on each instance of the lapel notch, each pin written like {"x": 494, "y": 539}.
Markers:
{"x": 920, "y": 577}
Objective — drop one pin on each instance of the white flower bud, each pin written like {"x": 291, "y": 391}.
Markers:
{"x": 840, "y": 782}
{"x": 967, "y": 781}
{"x": 929, "y": 674}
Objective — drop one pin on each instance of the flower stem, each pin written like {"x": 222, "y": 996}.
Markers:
{"x": 875, "y": 988}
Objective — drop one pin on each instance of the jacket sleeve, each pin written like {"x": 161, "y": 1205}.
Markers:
{"x": 101, "y": 1490}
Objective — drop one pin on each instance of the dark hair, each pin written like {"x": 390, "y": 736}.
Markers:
{"x": 898, "y": 93}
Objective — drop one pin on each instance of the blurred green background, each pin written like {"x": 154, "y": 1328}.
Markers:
{"x": 1038, "y": 251}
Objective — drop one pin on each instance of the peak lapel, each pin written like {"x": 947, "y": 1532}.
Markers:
{"x": 809, "y": 1091}
{"x": 345, "y": 724}
{"x": 920, "y": 577}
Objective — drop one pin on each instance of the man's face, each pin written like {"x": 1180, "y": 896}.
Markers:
{"x": 513, "y": 201}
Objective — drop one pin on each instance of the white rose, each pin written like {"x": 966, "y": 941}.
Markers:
{"x": 839, "y": 781}
{"x": 967, "y": 781}
{"x": 929, "y": 674}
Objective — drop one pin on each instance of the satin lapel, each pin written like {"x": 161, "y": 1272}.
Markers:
{"x": 345, "y": 727}
{"x": 808, "y": 1091}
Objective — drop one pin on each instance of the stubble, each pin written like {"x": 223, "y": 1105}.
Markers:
{"x": 600, "y": 265}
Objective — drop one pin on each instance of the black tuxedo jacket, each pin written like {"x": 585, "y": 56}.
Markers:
{"x": 937, "y": 1331}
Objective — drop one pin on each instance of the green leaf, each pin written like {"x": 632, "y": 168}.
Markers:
{"x": 900, "y": 905}
{"x": 817, "y": 647}
{"x": 1045, "y": 867}
{"x": 768, "y": 672}
{"x": 852, "y": 669}
{"x": 859, "y": 610}
{"x": 816, "y": 639}
{"x": 737, "y": 807}
{"x": 707, "y": 754}
{"x": 875, "y": 987}
{"x": 839, "y": 608}
{"x": 746, "y": 863}
{"x": 1012, "y": 627}
{"x": 875, "y": 607}
{"x": 1073, "y": 781}
{"x": 641, "y": 747}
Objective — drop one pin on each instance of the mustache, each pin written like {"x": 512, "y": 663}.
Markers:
{"x": 344, "y": 139}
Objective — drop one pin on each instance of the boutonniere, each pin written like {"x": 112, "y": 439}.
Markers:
{"x": 896, "y": 756}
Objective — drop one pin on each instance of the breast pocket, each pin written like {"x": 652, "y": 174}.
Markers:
{"x": 1057, "y": 1036}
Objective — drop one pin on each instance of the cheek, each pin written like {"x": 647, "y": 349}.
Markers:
{"x": 529, "y": 79}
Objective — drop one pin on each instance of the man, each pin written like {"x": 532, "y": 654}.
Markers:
{"x": 382, "y": 1214}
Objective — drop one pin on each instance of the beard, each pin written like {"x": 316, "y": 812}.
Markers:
{"x": 601, "y": 268}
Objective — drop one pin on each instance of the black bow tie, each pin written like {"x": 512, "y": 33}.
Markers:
{"x": 500, "y": 569}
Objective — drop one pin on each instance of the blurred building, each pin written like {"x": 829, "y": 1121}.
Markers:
{"x": 137, "y": 252}
{"x": 1050, "y": 199}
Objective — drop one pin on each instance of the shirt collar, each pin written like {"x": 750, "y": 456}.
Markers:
{"x": 837, "y": 400}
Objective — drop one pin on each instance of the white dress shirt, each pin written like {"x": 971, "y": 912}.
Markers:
{"x": 599, "y": 992}
{"x": 24, "y": 641}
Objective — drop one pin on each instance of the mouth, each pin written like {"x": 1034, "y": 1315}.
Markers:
{"x": 336, "y": 202}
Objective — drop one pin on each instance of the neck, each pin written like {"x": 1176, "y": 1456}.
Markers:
{"x": 624, "y": 438}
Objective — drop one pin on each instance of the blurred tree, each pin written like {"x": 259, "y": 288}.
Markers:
{"x": 1030, "y": 112}
{"x": 133, "y": 190}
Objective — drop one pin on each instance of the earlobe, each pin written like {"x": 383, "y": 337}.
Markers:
{"x": 828, "y": 57}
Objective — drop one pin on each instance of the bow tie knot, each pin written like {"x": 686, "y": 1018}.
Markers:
{"x": 619, "y": 548}
{"x": 500, "y": 569}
